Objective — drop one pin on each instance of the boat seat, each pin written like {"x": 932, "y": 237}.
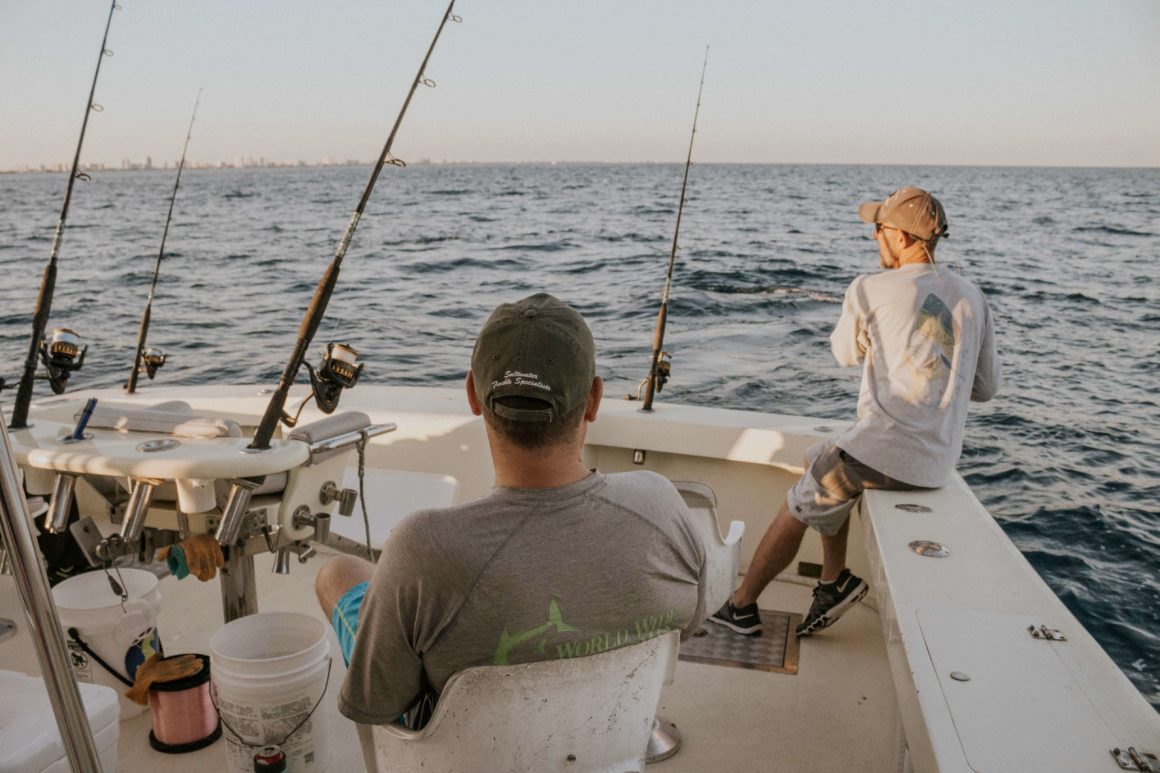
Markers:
{"x": 170, "y": 418}
{"x": 391, "y": 495}
{"x": 722, "y": 554}
{"x": 592, "y": 713}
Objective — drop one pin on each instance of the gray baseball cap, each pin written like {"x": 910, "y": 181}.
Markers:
{"x": 912, "y": 210}
{"x": 537, "y": 347}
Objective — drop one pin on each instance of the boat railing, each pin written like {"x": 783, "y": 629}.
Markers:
{"x": 40, "y": 609}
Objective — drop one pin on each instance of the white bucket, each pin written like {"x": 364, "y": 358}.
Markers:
{"x": 123, "y": 636}
{"x": 269, "y": 672}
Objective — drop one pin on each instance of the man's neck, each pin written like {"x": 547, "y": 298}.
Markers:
{"x": 542, "y": 468}
{"x": 914, "y": 254}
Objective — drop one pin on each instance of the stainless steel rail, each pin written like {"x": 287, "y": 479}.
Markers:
{"x": 40, "y": 610}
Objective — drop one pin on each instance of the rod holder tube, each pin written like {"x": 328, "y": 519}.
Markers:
{"x": 60, "y": 503}
{"x": 282, "y": 561}
{"x": 304, "y": 519}
{"x": 239, "y": 586}
{"x": 40, "y": 611}
{"x": 235, "y": 512}
{"x": 136, "y": 509}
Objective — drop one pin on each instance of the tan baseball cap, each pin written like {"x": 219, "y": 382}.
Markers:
{"x": 537, "y": 347}
{"x": 912, "y": 210}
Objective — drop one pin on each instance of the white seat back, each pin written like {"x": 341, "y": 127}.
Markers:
{"x": 723, "y": 555}
{"x": 593, "y": 713}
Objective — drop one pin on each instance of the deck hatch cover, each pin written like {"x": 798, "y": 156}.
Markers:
{"x": 1022, "y": 709}
{"x": 776, "y": 649}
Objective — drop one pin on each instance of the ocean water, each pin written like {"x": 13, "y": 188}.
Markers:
{"x": 1067, "y": 458}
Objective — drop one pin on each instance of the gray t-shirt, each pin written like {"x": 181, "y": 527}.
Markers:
{"x": 929, "y": 348}
{"x": 519, "y": 576}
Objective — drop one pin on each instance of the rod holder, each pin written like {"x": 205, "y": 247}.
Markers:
{"x": 136, "y": 509}
{"x": 60, "y": 503}
{"x": 346, "y": 497}
{"x": 282, "y": 561}
{"x": 303, "y": 519}
{"x": 235, "y": 512}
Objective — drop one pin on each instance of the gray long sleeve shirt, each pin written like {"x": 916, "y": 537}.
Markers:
{"x": 926, "y": 338}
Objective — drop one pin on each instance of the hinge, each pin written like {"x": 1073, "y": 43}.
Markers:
{"x": 1043, "y": 632}
{"x": 1131, "y": 759}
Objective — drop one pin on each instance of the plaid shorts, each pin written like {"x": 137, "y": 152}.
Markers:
{"x": 833, "y": 480}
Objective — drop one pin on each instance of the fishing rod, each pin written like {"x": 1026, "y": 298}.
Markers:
{"x": 659, "y": 367}
{"x": 152, "y": 359}
{"x": 336, "y": 372}
{"x": 62, "y": 355}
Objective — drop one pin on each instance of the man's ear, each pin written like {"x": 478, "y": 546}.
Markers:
{"x": 595, "y": 395}
{"x": 472, "y": 399}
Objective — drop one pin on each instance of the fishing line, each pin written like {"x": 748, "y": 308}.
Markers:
{"x": 183, "y": 715}
{"x": 152, "y": 360}
{"x": 658, "y": 372}
{"x": 314, "y": 313}
{"x": 59, "y": 368}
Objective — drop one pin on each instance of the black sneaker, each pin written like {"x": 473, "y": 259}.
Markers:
{"x": 831, "y": 600}
{"x": 743, "y": 620}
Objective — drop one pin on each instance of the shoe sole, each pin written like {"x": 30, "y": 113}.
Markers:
{"x": 831, "y": 617}
{"x": 752, "y": 630}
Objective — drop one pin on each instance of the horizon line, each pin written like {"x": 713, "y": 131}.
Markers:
{"x": 62, "y": 168}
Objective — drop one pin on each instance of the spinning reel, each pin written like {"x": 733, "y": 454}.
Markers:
{"x": 664, "y": 370}
{"x": 152, "y": 359}
{"x": 61, "y": 354}
{"x": 336, "y": 372}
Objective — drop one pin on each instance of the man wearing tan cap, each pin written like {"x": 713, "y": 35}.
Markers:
{"x": 926, "y": 340}
{"x": 559, "y": 561}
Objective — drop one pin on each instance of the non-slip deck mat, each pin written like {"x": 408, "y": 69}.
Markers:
{"x": 776, "y": 649}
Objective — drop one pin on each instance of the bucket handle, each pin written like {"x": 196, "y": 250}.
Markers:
{"x": 75, "y": 635}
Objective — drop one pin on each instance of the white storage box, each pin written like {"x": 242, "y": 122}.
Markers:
{"x": 28, "y": 732}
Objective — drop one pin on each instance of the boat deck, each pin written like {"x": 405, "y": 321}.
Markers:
{"x": 839, "y": 707}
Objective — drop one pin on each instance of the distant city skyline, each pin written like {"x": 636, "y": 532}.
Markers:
{"x": 1034, "y": 83}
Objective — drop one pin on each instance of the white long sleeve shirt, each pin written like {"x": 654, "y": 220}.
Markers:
{"x": 926, "y": 339}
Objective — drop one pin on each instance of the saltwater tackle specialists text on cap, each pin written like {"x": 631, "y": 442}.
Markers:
{"x": 538, "y": 347}
{"x": 911, "y": 209}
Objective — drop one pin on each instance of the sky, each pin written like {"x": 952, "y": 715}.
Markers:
{"x": 1019, "y": 82}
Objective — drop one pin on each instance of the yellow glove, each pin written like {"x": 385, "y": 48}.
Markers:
{"x": 200, "y": 555}
{"x": 159, "y": 669}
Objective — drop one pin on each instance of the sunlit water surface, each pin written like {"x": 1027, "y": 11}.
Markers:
{"x": 1067, "y": 458}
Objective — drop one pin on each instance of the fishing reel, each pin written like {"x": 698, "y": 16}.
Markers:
{"x": 337, "y": 372}
{"x": 151, "y": 361}
{"x": 664, "y": 370}
{"x": 61, "y": 354}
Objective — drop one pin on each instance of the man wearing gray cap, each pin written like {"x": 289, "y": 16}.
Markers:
{"x": 928, "y": 348}
{"x": 559, "y": 561}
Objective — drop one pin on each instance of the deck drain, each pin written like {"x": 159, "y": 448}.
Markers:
{"x": 910, "y": 507}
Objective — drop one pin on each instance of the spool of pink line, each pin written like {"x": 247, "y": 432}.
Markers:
{"x": 184, "y": 717}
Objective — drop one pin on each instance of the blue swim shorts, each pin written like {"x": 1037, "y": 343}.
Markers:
{"x": 344, "y": 618}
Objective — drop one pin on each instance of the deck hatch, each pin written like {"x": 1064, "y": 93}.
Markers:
{"x": 1022, "y": 708}
{"x": 775, "y": 650}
